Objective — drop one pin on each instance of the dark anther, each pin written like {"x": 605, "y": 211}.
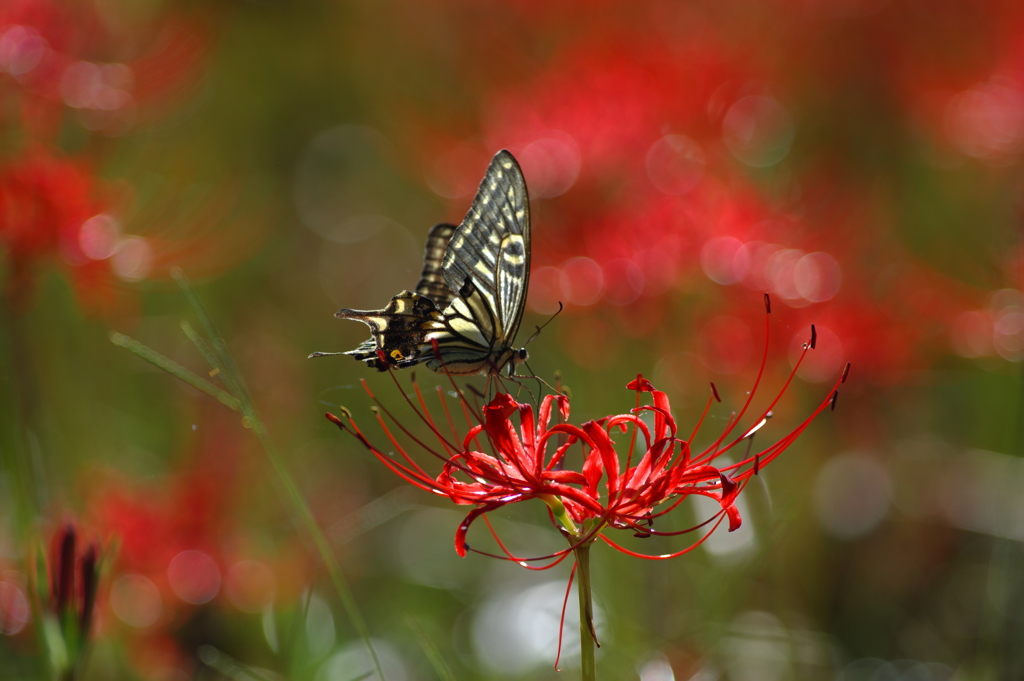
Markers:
{"x": 835, "y": 397}
{"x": 814, "y": 336}
{"x": 767, "y": 304}
{"x": 649, "y": 521}
{"x": 757, "y": 463}
{"x": 846, "y": 372}
{"x": 714, "y": 391}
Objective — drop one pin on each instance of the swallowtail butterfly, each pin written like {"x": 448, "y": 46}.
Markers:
{"x": 471, "y": 294}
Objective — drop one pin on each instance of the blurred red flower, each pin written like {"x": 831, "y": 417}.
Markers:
{"x": 71, "y": 71}
{"x": 675, "y": 141}
{"x": 112, "y": 75}
{"x": 46, "y": 201}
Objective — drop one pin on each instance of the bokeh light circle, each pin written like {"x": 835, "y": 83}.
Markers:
{"x": 21, "y": 50}
{"x": 133, "y": 259}
{"x": 987, "y": 121}
{"x": 98, "y": 237}
{"x": 320, "y": 631}
{"x": 517, "y": 631}
{"x": 250, "y": 585}
{"x": 972, "y": 333}
{"x": 623, "y": 281}
{"x": 582, "y": 281}
{"x": 14, "y": 608}
{"x": 550, "y": 164}
{"x": 136, "y": 600}
{"x": 817, "y": 277}
{"x": 353, "y": 661}
{"x": 825, "y": 361}
{"x": 851, "y": 494}
{"x": 725, "y": 260}
{"x": 1008, "y": 335}
{"x": 194, "y": 576}
{"x": 545, "y": 290}
{"x": 780, "y": 270}
{"x": 758, "y": 131}
{"x": 675, "y": 164}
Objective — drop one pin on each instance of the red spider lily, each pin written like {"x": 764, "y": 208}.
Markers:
{"x": 606, "y": 493}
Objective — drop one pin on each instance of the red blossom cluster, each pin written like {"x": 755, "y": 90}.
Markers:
{"x": 47, "y": 201}
{"x": 660, "y": 469}
{"x": 180, "y": 549}
{"x": 678, "y": 145}
{"x": 82, "y": 61}
{"x": 72, "y": 77}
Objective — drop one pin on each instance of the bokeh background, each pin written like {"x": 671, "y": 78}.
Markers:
{"x": 861, "y": 160}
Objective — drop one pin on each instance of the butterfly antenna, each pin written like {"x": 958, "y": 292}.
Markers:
{"x": 541, "y": 327}
{"x": 323, "y": 354}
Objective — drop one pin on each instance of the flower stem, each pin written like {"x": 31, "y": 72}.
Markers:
{"x": 588, "y": 640}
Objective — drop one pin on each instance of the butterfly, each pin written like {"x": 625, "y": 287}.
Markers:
{"x": 469, "y": 301}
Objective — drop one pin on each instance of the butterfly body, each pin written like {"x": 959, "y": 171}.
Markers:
{"x": 468, "y": 305}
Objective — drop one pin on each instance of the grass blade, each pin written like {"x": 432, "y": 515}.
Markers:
{"x": 175, "y": 369}
{"x": 233, "y": 379}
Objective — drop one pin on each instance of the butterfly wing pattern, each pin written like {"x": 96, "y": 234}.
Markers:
{"x": 470, "y": 300}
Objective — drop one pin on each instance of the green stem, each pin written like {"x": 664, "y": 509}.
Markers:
{"x": 588, "y": 640}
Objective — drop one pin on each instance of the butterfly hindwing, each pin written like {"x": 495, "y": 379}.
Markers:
{"x": 432, "y": 283}
{"x": 396, "y": 332}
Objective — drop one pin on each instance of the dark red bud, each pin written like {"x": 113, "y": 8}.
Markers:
{"x": 767, "y": 303}
{"x": 64, "y": 569}
{"x": 835, "y": 398}
{"x": 814, "y": 336}
{"x": 714, "y": 391}
{"x": 90, "y": 581}
{"x": 846, "y": 372}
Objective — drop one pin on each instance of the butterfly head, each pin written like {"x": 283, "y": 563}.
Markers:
{"x": 515, "y": 359}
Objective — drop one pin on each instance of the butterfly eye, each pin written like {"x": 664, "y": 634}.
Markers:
{"x": 522, "y": 355}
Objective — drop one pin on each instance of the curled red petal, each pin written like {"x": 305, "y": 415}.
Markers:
{"x": 730, "y": 489}
{"x": 460, "y": 534}
{"x": 603, "y": 448}
{"x": 734, "y": 517}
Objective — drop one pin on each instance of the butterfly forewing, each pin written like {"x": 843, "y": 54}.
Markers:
{"x": 491, "y": 248}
